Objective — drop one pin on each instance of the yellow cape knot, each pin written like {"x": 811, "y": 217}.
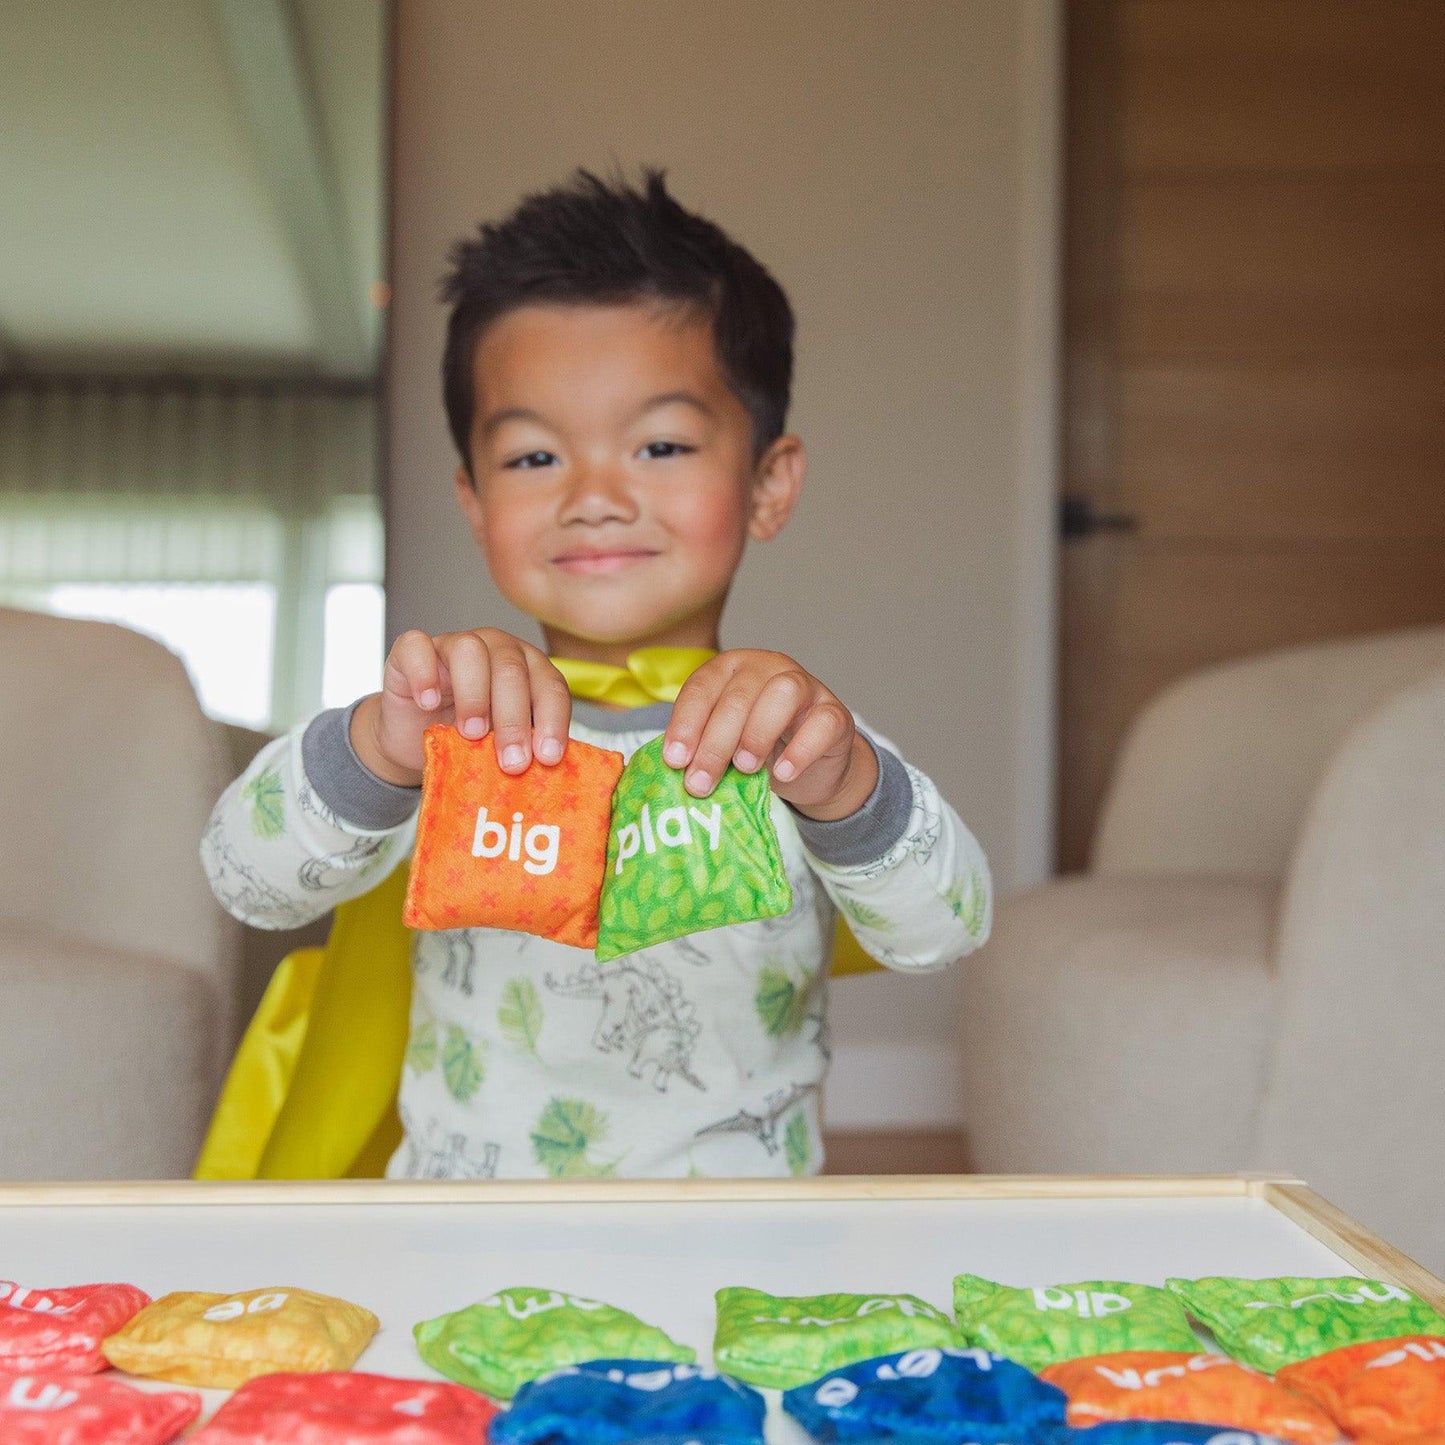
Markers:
{"x": 652, "y": 674}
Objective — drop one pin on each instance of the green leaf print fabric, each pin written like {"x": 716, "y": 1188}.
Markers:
{"x": 519, "y": 1015}
{"x": 564, "y": 1136}
{"x": 421, "y": 1049}
{"x": 797, "y": 1148}
{"x": 518, "y": 1334}
{"x": 1041, "y": 1327}
{"x": 268, "y": 807}
{"x": 678, "y": 864}
{"x": 781, "y": 1341}
{"x": 462, "y": 1068}
{"x": 781, "y": 1001}
{"x": 1270, "y": 1323}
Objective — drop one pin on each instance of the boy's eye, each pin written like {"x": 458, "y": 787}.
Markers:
{"x": 529, "y": 460}
{"x": 658, "y": 450}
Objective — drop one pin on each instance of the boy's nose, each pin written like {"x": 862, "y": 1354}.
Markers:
{"x": 598, "y": 493}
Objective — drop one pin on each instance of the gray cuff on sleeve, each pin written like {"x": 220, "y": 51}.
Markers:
{"x": 344, "y": 783}
{"x": 864, "y": 836}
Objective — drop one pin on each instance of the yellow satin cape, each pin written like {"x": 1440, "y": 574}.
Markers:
{"x": 311, "y": 1092}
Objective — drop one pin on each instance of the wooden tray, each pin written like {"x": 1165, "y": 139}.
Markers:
{"x": 411, "y": 1250}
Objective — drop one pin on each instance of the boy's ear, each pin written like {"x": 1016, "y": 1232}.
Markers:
{"x": 777, "y": 485}
{"x": 470, "y": 502}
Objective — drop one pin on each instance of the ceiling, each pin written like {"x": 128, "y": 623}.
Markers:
{"x": 192, "y": 186}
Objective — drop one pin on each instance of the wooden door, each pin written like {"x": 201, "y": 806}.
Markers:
{"x": 1255, "y": 344}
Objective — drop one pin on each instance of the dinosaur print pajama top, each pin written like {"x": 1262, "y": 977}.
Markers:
{"x": 528, "y": 1058}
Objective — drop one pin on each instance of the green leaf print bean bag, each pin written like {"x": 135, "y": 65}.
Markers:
{"x": 518, "y": 1334}
{"x": 677, "y": 864}
{"x": 1041, "y": 1327}
{"x": 782, "y": 1341}
{"x": 1270, "y": 1323}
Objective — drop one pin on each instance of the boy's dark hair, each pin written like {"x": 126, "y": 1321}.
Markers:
{"x": 600, "y": 242}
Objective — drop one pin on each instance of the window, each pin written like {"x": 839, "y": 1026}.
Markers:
{"x": 240, "y": 526}
{"x": 226, "y": 636}
{"x": 224, "y": 633}
{"x": 355, "y": 642}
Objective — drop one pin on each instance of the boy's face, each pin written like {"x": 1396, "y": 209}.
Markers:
{"x": 615, "y": 482}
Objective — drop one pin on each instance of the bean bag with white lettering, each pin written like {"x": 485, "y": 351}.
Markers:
{"x": 1040, "y": 1325}
{"x": 221, "y": 1341}
{"x": 1207, "y": 1389}
{"x": 677, "y": 864}
{"x": 779, "y": 1341}
{"x": 611, "y": 1402}
{"x": 1383, "y": 1390}
{"x": 61, "y": 1329}
{"x": 523, "y": 852}
{"x": 90, "y": 1410}
{"x": 1270, "y": 1323}
{"x": 930, "y": 1397}
{"x": 517, "y": 1334}
{"x": 348, "y": 1409}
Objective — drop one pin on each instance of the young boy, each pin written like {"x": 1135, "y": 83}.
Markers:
{"x": 617, "y": 377}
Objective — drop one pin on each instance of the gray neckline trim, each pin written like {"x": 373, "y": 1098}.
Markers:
{"x": 629, "y": 720}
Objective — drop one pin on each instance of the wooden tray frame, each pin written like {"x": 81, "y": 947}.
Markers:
{"x": 1355, "y": 1244}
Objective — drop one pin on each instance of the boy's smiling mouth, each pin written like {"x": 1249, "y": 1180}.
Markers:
{"x": 589, "y": 561}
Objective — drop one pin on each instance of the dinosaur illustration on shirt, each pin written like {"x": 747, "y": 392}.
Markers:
{"x": 762, "y": 1126}
{"x": 645, "y": 1010}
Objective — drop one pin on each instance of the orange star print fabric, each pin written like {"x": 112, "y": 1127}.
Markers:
{"x": 219, "y": 1341}
{"x": 1387, "y": 1390}
{"x": 525, "y": 852}
{"x": 1178, "y": 1386}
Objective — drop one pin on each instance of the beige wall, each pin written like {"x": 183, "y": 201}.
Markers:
{"x": 893, "y": 164}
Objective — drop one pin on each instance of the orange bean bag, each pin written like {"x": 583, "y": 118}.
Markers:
{"x": 524, "y": 852}
{"x": 1386, "y": 1390}
{"x": 1178, "y": 1386}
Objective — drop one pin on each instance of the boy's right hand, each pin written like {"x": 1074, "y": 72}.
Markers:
{"x": 480, "y": 681}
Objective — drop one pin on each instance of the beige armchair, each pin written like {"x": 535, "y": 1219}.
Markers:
{"x": 117, "y": 967}
{"x": 1252, "y": 976}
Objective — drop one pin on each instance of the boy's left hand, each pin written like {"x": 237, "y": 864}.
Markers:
{"x": 746, "y": 707}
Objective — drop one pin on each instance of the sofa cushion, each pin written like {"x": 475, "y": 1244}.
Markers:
{"x": 108, "y": 1059}
{"x": 1119, "y": 1025}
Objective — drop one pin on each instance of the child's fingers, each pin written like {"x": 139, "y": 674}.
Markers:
{"x": 494, "y": 681}
{"x": 784, "y": 697}
{"x": 826, "y": 730}
{"x": 413, "y": 670}
{"x": 693, "y": 708}
{"x": 467, "y": 661}
{"x": 511, "y": 702}
{"x": 721, "y": 733}
{"x": 551, "y": 707}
